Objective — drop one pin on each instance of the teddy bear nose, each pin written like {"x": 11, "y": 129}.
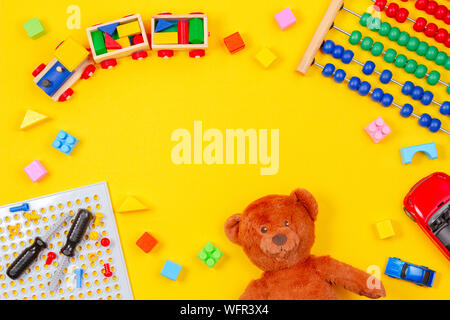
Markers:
{"x": 279, "y": 239}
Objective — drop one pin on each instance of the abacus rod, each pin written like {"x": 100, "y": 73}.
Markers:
{"x": 352, "y": 12}
{"x": 343, "y": 31}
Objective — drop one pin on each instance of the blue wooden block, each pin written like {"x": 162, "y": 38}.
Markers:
{"x": 171, "y": 270}
{"x": 163, "y": 25}
{"x": 109, "y": 29}
{"x": 408, "y": 153}
{"x": 54, "y": 79}
{"x": 65, "y": 143}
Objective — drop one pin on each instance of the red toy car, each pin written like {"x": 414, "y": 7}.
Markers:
{"x": 428, "y": 204}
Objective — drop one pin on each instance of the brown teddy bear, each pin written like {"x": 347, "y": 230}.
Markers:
{"x": 277, "y": 233}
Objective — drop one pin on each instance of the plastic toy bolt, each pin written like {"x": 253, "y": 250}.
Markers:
{"x": 105, "y": 242}
{"x": 79, "y": 275}
{"x": 50, "y": 257}
{"x": 106, "y": 271}
{"x": 23, "y": 207}
{"x": 93, "y": 235}
{"x": 98, "y": 218}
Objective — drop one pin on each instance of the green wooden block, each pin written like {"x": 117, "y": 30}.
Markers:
{"x": 34, "y": 28}
{"x": 173, "y": 28}
{"x": 210, "y": 255}
{"x": 115, "y": 35}
{"x": 196, "y": 32}
{"x": 98, "y": 41}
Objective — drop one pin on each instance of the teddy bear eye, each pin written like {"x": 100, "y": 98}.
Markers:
{"x": 263, "y": 229}
{"x": 286, "y": 223}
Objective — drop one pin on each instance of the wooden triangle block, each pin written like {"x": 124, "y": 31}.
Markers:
{"x": 132, "y": 204}
{"x": 110, "y": 43}
{"x": 32, "y": 118}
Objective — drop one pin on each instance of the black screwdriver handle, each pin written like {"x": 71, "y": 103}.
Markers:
{"x": 76, "y": 232}
{"x": 25, "y": 259}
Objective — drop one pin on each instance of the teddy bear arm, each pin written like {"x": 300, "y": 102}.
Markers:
{"x": 346, "y": 276}
{"x": 256, "y": 290}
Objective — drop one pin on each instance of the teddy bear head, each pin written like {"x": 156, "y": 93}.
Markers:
{"x": 276, "y": 231}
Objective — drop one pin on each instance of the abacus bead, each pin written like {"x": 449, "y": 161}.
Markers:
{"x": 422, "y": 48}
{"x": 448, "y": 90}
{"x": 377, "y": 95}
{"x": 431, "y": 30}
{"x": 420, "y": 24}
{"x": 413, "y": 44}
{"x": 421, "y": 71}
{"x": 354, "y": 83}
{"x": 432, "y": 53}
{"x": 355, "y": 37}
{"x": 390, "y": 55}
{"x": 411, "y": 66}
{"x": 339, "y": 76}
{"x": 433, "y": 78}
{"x": 374, "y": 24}
{"x": 338, "y": 51}
{"x": 364, "y": 18}
{"x": 385, "y": 28}
{"x": 367, "y": 43}
{"x": 386, "y": 76}
{"x": 392, "y": 10}
{"x": 445, "y": 108}
{"x": 447, "y": 41}
{"x": 364, "y": 88}
{"x": 377, "y": 49}
{"x": 402, "y": 15}
{"x": 431, "y": 7}
{"x": 427, "y": 98}
{"x": 425, "y": 120}
{"x": 347, "y": 56}
{"x": 406, "y": 110}
{"x": 400, "y": 61}
{"x": 368, "y": 68}
{"x": 403, "y": 38}
{"x": 441, "y": 35}
{"x": 394, "y": 34}
{"x": 440, "y": 13}
{"x": 435, "y": 125}
{"x": 408, "y": 88}
{"x": 328, "y": 70}
{"x": 441, "y": 58}
{"x": 447, "y": 17}
{"x": 421, "y": 4}
{"x": 380, "y": 4}
{"x": 447, "y": 64}
{"x": 387, "y": 100}
{"x": 417, "y": 93}
{"x": 328, "y": 47}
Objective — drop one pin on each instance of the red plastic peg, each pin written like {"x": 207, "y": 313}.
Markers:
{"x": 50, "y": 257}
{"x": 105, "y": 242}
{"x": 106, "y": 270}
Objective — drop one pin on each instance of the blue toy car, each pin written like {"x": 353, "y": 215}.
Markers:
{"x": 419, "y": 275}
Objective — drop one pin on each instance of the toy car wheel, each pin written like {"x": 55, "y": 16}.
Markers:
{"x": 409, "y": 214}
{"x": 165, "y": 54}
{"x": 197, "y": 53}
{"x": 108, "y": 64}
{"x": 66, "y": 95}
{"x": 38, "y": 69}
{"x": 88, "y": 72}
{"x": 139, "y": 55}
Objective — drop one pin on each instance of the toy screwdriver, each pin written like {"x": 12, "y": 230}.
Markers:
{"x": 74, "y": 237}
{"x": 29, "y": 255}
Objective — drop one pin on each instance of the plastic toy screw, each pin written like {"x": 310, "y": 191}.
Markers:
{"x": 50, "y": 257}
{"x": 93, "y": 235}
{"x": 23, "y": 207}
{"x": 105, "y": 242}
{"x": 98, "y": 218}
{"x": 106, "y": 271}
{"x": 79, "y": 275}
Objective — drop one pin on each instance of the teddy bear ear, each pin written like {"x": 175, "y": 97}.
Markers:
{"x": 232, "y": 228}
{"x": 307, "y": 200}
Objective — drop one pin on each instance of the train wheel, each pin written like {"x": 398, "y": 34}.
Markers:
{"x": 38, "y": 69}
{"x": 165, "y": 54}
{"x": 88, "y": 72}
{"x": 108, "y": 64}
{"x": 197, "y": 53}
{"x": 139, "y": 55}
{"x": 66, "y": 95}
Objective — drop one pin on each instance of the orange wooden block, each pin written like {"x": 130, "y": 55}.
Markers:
{"x": 146, "y": 242}
{"x": 234, "y": 42}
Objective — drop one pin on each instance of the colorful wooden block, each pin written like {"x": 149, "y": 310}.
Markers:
{"x": 146, "y": 242}
{"x": 71, "y": 54}
{"x": 408, "y": 153}
{"x": 165, "y": 38}
{"x": 64, "y": 142}
{"x": 162, "y": 25}
{"x": 266, "y": 57}
{"x": 128, "y": 29}
{"x": 132, "y": 204}
{"x": 210, "y": 255}
{"x": 285, "y": 18}
{"x": 171, "y": 270}
{"x": 98, "y": 40}
{"x": 110, "y": 43}
{"x": 34, "y": 28}
{"x": 124, "y": 42}
{"x": 385, "y": 229}
{"x": 196, "y": 31}
{"x": 31, "y": 118}
{"x": 35, "y": 171}
{"x": 234, "y": 42}
{"x": 378, "y": 130}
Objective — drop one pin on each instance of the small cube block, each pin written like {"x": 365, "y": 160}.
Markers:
{"x": 65, "y": 143}
{"x": 71, "y": 54}
{"x": 210, "y": 255}
{"x": 234, "y": 42}
{"x": 171, "y": 270}
{"x": 36, "y": 171}
{"x": 146, "y": 242}
{"x": 385, "y": 229}
{"x": 285, "y": 18}
{"x": 98, "y": 41}
{"x": 165, "y": 38}
{"x": 128, "y": 29}
{"x": 266, "y": 57}
{"x": 378, "y": 130}
{"x": 34, "y": 28}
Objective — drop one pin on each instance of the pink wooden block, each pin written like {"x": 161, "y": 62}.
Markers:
{"x": 35, "y": 171}
{"x": 378, "y": 130}
{"x": 285, "y": 18}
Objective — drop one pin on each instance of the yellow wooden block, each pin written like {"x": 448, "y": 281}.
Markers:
{"x": 128, "y": 29}
{"x": 32, "y": 118}
{"x": 132, "y": 204}
{"x": 165, "y": 38}
{"x": 385, "y": 229}
{"x": 70, "y": 53}
{"x": 266, "y": 57}
{"x": 124, "y": 42}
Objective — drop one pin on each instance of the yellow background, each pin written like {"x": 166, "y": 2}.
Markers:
{"x": 124, "y": 119}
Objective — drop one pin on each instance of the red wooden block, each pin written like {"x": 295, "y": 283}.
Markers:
{"x": 234, "y": 42}
{"x": 146, "y": 242}
{"x": 110, "y": 43}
